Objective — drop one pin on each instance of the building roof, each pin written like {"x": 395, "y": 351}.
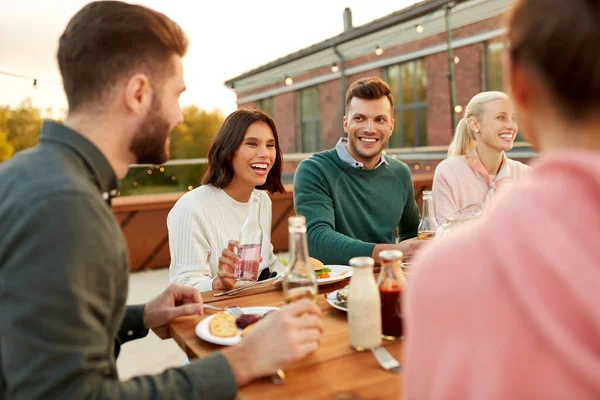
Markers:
{"x": 417, "y": 10}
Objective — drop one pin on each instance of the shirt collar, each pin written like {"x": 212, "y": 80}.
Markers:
{"x": 95, "y": 161}
{"x": 344, "y": 155}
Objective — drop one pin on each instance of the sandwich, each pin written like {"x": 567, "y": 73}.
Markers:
{"x": 321, "y": 271}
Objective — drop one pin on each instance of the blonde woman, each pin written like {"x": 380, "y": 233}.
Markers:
{"x": 477, "y": 166}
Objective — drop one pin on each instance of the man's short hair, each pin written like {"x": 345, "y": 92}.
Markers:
{"x": 107, "y": 41}
{"x": 370, "y": 88}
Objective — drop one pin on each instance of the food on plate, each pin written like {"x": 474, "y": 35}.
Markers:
{"x": 342, "y": 297}
{"x": 320, "y": 270}
{"x": 223, "y": 325}
{"x": 245, "y": 320}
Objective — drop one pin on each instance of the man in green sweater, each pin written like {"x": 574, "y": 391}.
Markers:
{"x": 356, "y": 200}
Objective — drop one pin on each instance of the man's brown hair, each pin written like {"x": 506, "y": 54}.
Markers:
{"x": 557, "y": 40}
{"x": 371, "y": 88}
{"x": 107, "y": 41}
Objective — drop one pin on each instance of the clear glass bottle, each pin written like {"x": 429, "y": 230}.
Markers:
{"x": 428, "y": 225}
{"x": 391, "y": 282}
{"x": 300, "y": 280}
{"x": 364, "y": 305}
{"x": 250, "y": 243}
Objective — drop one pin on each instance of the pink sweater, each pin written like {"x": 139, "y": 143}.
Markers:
{"x": 456, "y": 184}
{"x": 509, "y": 308}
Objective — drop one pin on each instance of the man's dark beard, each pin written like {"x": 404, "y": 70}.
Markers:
{"x": 148, "y": 144}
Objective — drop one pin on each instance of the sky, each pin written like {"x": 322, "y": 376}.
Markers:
{"x": 227, "y": 38}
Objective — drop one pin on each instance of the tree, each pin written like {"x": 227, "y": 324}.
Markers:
{"x": 6, "y": 149}
{"x": 22, "y": 125}
{"x": 190, "y": 139}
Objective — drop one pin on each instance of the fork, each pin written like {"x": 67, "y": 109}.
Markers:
{"x": 279, "y": 377}
{"x": 235, "y": 310}
{"x": 385, "y": 359}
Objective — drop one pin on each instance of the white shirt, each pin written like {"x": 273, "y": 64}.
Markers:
{"x": 200, "y": 225}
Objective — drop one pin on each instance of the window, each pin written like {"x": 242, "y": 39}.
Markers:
{"x": 309, "y": 120}
{"x": 266, "y": 105}
{"x": 408, "y": 82}
{"x": 493, "y": 79}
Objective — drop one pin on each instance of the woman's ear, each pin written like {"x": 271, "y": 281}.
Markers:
{"x": 473, "y": 125}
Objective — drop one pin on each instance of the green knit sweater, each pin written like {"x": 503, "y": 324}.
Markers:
{"x": 348, "y": 210}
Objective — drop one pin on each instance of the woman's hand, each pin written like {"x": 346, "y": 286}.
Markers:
{"x": 226, "y": 275}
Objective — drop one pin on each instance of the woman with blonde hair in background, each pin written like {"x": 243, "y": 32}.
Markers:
{"x": 509, "y": 309}
{"x": 477, "y": 166}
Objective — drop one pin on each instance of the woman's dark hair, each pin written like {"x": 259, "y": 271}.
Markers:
{"x": 228, "y": 139}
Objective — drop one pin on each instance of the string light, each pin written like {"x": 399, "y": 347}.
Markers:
{"x": 149, "y": 172}
{"x": 417, "y": 166}
{"x": 33, "y": 80}
{"x": 173, "y": 178}
{"x": 190, "y": 187}
{"x": 456, "y": 60}
{"x": 419, "y": 28}
{"x": 288, "y": 81}
{"x": 458, "y": 109}
{"x": 378, "y": 50}
{"x": 162, "y": 169}
{"x": 134, "y": 184}
{"x": 428, "y": 168}
{"x": 335, "y": 68}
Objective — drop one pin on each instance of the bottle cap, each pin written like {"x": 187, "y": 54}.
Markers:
{"x": 389, "y": 255}
{"x": 362, "y": 262}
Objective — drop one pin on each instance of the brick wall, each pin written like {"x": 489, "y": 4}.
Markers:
{"x": 468, "y": 81}
{"x": 331, "y": 114}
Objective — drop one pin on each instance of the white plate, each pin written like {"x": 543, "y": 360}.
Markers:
{"x": 203, "y": 330}
{"x": 332, "y": 300}
{"x": 338, "y": 273}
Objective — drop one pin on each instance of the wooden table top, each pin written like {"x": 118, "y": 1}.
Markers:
{"x": 334, "y": 371}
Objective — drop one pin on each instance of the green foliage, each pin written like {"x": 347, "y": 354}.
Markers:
{"x": 190, "y": 139}
{"x": 20, "y": 128}
{"x": 6, "y": 148}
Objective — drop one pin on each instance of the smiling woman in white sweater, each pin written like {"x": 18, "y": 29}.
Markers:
{"x": 244, "y": 157}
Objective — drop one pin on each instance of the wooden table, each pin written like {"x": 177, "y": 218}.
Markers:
{"x": 334, "y": 371}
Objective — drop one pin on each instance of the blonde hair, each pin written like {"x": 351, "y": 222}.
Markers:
{"x": 464, "y": 138}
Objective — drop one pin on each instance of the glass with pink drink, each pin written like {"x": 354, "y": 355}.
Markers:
{"x": 250, "y": 244}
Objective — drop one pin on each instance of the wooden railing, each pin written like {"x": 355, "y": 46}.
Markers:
{"x": 143, "y": 219}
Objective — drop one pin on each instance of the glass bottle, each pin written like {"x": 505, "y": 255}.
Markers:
{"x": 250, "y": 243}
{"x": 428, "y": 225}
{"x": 391, "y": 282}
{"x": 300, "y": 280}
{"x": 364, "y": 305}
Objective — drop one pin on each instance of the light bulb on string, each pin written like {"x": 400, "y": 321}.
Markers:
{"x": 419, "y": 28}
{"x": 378, "y": 50}
{"x": 335, "y": 67}
{"x": 288, "y": 81}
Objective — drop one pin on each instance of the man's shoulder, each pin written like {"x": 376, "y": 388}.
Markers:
{"x": 321, "y": 162}
{"x": 38, "y": 174}
{"x": 398, "y": 168}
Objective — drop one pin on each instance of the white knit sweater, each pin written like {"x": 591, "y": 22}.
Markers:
{"x": 200, "y": 225}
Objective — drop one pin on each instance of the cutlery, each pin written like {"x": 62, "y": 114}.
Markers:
{"x": 385, "y": 359}
{"x": 232, "y": 309}
{"x": 239, "y": 289}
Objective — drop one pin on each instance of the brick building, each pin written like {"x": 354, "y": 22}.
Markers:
{"x": 304, "y": 91}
